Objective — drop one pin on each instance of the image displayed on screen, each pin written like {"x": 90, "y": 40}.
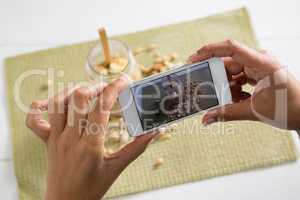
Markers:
{"x": 175, "y": 96}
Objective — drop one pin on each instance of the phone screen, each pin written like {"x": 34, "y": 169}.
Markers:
{"x": 175, "y": 96}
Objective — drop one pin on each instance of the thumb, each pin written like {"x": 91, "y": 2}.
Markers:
{"x": 134, "y": 149}
{"x": 229, "y": 112}
{"x": 35, "y": 120}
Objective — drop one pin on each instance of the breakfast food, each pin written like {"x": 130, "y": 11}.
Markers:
{"x": 151, "y": 47}
{"x": 124, "y": 137}
{"x": 158, "y": 162}
{"x": 116, "y": 65}
{"x": 160, "y": 62}
{"x": 114, "y": 136}
{"x": 138, "y": 50}
{"x": 109, "y": 151}
{"x": 117, "y": 134}
{"x": 164, "y": 136}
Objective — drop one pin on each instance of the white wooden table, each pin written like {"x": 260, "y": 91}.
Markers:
{"x": 37, "y": 24}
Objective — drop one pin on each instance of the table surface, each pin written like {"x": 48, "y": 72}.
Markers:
{"x": 37, "y": 24}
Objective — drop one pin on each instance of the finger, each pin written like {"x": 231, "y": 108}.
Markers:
{"x": 236, "y": 84}
{"x": 80, "y": 104}
{"x": 57, "y": 110}
{"x": 35, "y": 121}
{"x": 244, "y": 95}
{"x": 230, "y": 112}
{"x": 98, "y": 119}
{"x": 229, "y": 48}
{"x": 240, "y": 79}
{"x": 232, "y": 67}
{"x": 133, "y": 150}
{"x": 237, "y": 93}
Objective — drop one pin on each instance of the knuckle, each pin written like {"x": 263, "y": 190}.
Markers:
{"x": 29, "y": 121}
{"x": 35, "y": 104}
{"x": 110, "y": 91}
{"x": 232, "y": 43}
{"x": 111, "y": 87}
{"x": 107, "y": 104}
{"x": 109, "y": 97}
{"x": 205, "y": 48}
{"x": 81, "y": 94}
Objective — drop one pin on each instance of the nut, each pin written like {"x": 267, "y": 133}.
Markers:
{"x": 173, "y": 56}
{"x": 124, "y": 138}
{"x": 122, "y": 124}
{"x": 154, "y": 72}
{"x": 114, "y": 136}
{"x": 151, "y": 47}
{"x": 164, "y": 137}
{"x": 102, "y": 70}
{"x": 158, "y": 162}
{"x": 136, "y": 75}
{"x": 156, "y": 55}
{"x": 158, "y": 60}
{"x": 116, "y": 65}
{"x": 113, "y": 124}
{"x": 138, "y": 50}
{"x": 115, "y": 68}
{"x": 109, "y": 151}
{"x": 122, "y": 62}
{"x": 145, "y": 70}
{"x": 157, "y": 66}
{"x": 163, "y": 69}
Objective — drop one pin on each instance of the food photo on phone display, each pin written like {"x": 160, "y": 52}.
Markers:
{"x": 176, "y": 94}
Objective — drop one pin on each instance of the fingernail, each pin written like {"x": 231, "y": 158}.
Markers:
{"x": 209, "y": 121}
{"x": 192, "y": 57}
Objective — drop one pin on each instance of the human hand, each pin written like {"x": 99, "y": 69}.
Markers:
{"x": 258, "y": 68}
{"x": 78, "y": 167}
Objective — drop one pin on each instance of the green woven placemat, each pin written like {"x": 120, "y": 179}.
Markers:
{"x": 193, "y": 153}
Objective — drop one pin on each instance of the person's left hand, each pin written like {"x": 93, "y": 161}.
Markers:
{"x": 78, "y": 167}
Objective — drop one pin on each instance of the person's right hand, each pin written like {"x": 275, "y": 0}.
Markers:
{"x": 276, "y": 98}
{"x": 78, "y": 165}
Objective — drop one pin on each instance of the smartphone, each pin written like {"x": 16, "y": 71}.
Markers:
{"x": 176, "y": 94}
